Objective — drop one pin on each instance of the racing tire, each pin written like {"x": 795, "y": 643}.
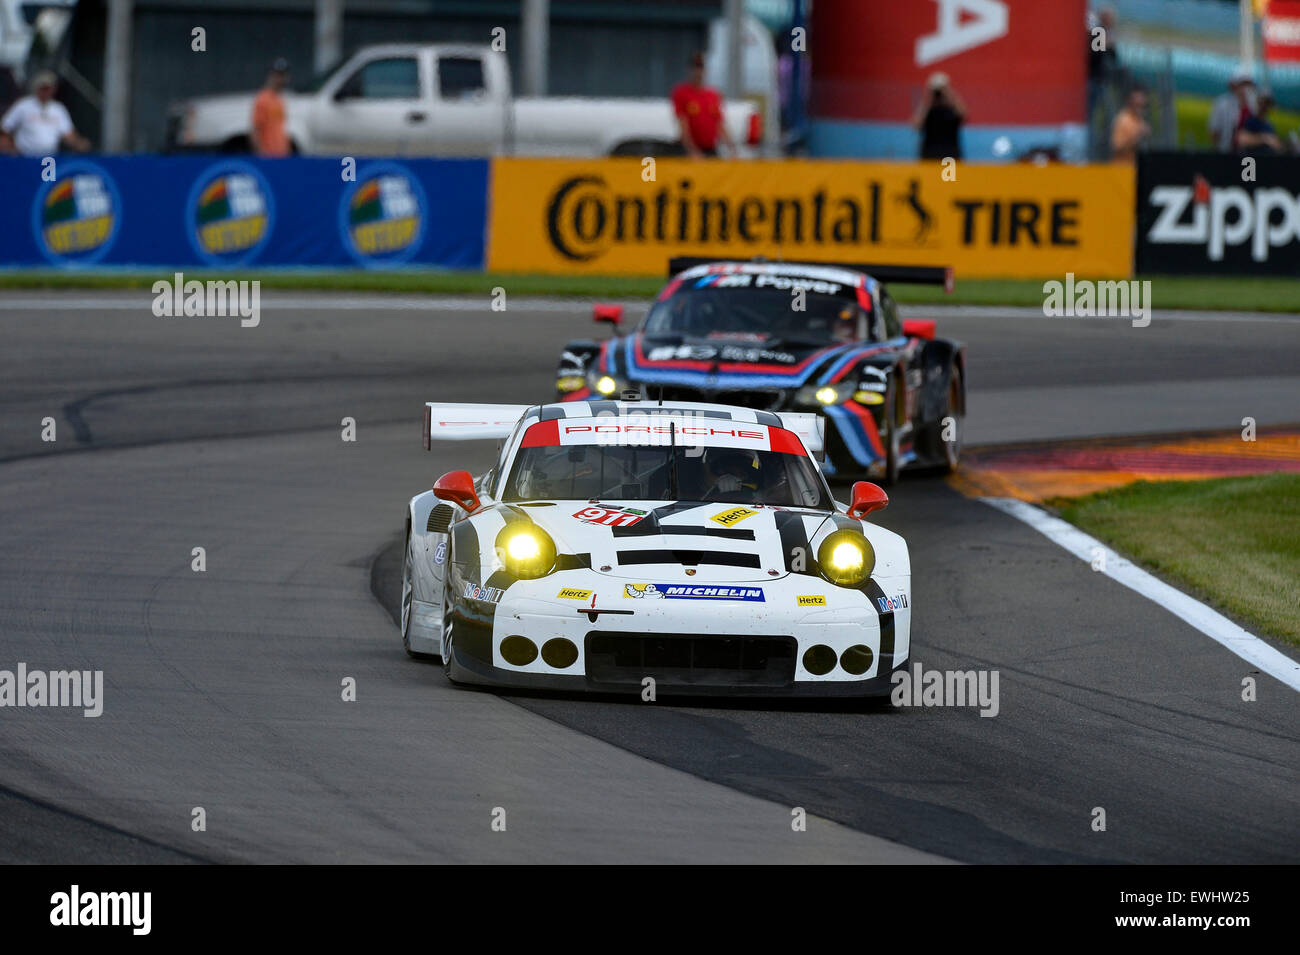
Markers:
{"x": 956, "y": 409}
{"x": 448, "y": 637}
{"x": 890, "y": 438}
{"x": 408, "y": 598}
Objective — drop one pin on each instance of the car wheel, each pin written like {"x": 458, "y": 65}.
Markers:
{"x": 890, "y": 437}
{"x": 408, "y": 597}
{"x": 952, "y": 449}
{"x": 448, "y": 637}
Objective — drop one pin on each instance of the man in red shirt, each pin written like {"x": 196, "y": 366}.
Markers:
{"x": 699, "y": 113}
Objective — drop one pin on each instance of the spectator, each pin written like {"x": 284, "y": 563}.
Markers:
{"x": 1230, "y": 111}
{"x": 1257, "y": 135}
{"x": 699, "y": 113}
{"x": 1101, "y": 54}
{"x": 939, "y": 118}
{"x": 1130, "y": 131}
{"x": 37, "y": 125}
{"x": 269, "y": 137}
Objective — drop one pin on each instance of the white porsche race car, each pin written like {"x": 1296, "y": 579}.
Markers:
{"x": 614, "y": 543}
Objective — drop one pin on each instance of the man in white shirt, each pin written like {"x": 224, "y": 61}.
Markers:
{"x": 37, "y": 125}
{"x": 1231, "y": 109}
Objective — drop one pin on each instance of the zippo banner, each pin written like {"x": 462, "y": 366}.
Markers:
{"x": 610, "y": 216}
{"x": 225, "y": 212}
{"x": 1204, "y": 213}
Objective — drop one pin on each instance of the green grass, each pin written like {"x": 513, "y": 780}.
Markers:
{"x": 1245, "y": 294}
{"x": 1232, "y": 542}
{"x": 1194, "y": 112}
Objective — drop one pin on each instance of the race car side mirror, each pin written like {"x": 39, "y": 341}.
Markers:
{"x": 457, "y": 487}
{"x": 613, "y": 314}
{"x": 919, "y": 328}
{"x": 867, "y": 497}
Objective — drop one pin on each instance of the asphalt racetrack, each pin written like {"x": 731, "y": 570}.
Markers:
{"x": 222, "y": 689}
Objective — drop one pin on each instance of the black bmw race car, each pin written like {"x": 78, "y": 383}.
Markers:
{"x": 792, "y": 337}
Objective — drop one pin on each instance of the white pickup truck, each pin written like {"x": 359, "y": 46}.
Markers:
{"x": 445, "y": 100}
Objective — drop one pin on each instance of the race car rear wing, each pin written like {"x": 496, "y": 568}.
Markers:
{"x": 810, "y": 427}
{"x": 889, "y": 274}
{"x": 454, "y": 421}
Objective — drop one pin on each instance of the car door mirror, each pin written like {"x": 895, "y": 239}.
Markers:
{"x": 867, "y": 497}
{"x": 458, "y": 488}
{"x": 611, "y": 314}
{"x": 919, "y": 328}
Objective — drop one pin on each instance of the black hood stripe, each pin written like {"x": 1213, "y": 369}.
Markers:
{"x": 688, "y": 558}
{"x": 794, "y": 541}
{"x": 875, "y": 594}
{"x": 649, "y": 527}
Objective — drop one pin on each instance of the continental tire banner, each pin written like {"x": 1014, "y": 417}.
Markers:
{"x": 1204, "y": 213}
{"x": 620, "y": 216}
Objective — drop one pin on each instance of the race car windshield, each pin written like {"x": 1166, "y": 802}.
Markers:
{"x": 766, "y": 314}
{"x": 636, "y": 473}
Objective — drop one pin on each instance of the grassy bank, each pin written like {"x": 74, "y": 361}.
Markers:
{"x": 1229, "y": 541}
{"x": 1167, "y": 292}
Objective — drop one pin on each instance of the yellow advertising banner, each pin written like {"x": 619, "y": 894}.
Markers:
{"x": 629, "y": 216}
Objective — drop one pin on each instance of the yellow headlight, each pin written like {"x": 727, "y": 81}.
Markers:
{"x": 846, "y": 558}
{"x": 526, "y": 551}
{"x": 606, "y": 385}
{"x": 523, "y": 547}
{"x": 826, "y": 396}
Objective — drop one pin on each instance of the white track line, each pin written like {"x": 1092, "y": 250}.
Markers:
{"x": 342, "y": 301}
{"x": 1210, "y": 622}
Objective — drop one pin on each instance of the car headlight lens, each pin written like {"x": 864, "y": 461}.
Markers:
{"x": 846, "y": 558}
{"x": 526, "y": 551}
{"x": 823, "y": 395}
{"x": 606, "y": 385}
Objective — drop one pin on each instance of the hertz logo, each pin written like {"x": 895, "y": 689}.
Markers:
{"x": 811, "y": 600}
{"x": 735, "y": 516}
{"x": 570, "y": 593}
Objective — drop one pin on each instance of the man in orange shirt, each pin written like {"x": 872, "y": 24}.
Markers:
{"x": 1130, "y": 131}
{"x": 269, "y": 136}
{"x": 699, "y": 113}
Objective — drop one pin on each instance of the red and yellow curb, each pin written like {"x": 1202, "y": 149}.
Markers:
{"x": 1073, "y": 468}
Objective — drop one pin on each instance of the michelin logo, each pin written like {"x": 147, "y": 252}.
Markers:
{"x": 691, "y": 592}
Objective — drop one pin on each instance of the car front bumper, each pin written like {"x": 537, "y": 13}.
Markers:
{"x": 840, "y": 645}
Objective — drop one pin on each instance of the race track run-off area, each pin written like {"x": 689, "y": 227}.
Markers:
{"x": 224, "y": 689}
